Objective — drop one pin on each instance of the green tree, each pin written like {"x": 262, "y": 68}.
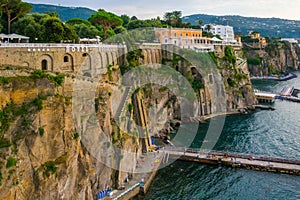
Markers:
{"x": 126, "y": 20}
{"x": 200, "y": 22}
{"x": 105, "y": 19}
{"x": 70, "y": 33}
{"x": 208, "y": 27}
{"x": 13, "y": 9}
{"x": 133, "y": 24}
{"x": 229, "y": 55}
{"x": 74, "y": 21}
{"x": 173, "y": 18}
{"x": 119, "y": 29}
{"x": 87, "y": 31}
{"x": 28, "y": 26}
{"x": 54, "y": 30}
{"x": 133, "y": 18}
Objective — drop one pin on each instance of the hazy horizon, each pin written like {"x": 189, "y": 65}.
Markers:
{"x": 146, "y": 9}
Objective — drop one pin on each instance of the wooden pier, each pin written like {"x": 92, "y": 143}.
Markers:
{"x": 259, "y": 163}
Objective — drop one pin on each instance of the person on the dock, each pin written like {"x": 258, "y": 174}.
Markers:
{"x": 226, "y": 155}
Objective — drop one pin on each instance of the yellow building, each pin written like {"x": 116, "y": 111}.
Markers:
{"x": 254, "y": 35}
{"x": 184, "y": 38}
{"x": 261, "y": 40}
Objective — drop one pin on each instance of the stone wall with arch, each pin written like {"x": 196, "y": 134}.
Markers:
{"x": 72, "y": 58}
{"x": 68, "y": 63}
{"x": 46, "y": 62}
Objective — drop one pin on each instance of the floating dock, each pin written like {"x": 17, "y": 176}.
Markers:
{"x": 287, "y": 93}
{"x": 264, "y": 97}
{"x": 259, "y": 163}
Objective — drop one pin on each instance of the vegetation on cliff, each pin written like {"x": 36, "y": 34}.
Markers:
{"x": 278, "y": 57}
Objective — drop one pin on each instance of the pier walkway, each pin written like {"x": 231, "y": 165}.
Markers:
{"x": 287, "y": 93}
{"x": 154, "y": 160}
{"x": 275, "y": 77}
{"x": 259, "y": 163}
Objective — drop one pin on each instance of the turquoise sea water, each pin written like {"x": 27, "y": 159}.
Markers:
{"x": 270, "y": 133}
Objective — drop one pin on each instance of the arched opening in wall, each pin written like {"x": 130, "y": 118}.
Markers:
{"x": 66, "y": 58}
{"x": 87, "y": 63}
{"x": 101, "y": 60}
{"x": 68, "y": 63}
{"x": 25, "y": 64}
{"x": 211, "y": 79}
{"x": 44, "y": 64}
{"x": 87, "y": 74}
{"x": 113, "y": 57}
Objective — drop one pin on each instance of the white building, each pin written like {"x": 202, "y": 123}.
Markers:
{"x": 226, "y": 32}
{"x": 186, "y": 39}
{"x": 290, "y": 40}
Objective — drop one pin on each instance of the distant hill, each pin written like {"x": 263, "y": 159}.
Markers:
{"x": 272, "y": 27}
{"x": 64, "y": 13}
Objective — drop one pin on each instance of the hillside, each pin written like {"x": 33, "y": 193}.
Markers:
{"x": 65, "y": 13}
{"x": 272, "y": 27}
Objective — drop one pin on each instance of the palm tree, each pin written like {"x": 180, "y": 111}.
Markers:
{"x": 208, "y": 27}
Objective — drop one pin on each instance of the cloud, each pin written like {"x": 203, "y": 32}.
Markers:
{"x": 150, "y": 9}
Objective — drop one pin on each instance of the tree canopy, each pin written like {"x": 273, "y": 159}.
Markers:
{"x": 173, "y": 18}
{"x": 44, "y": 28}
{"x": 49, "y": 27}
{"x": 107, "y": 20}
{"x": 13, "y": 9}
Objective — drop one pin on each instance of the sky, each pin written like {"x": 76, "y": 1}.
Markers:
{"x": 286, "y": 9}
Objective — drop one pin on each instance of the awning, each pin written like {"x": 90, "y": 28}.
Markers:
{"x": 215, "y": 39}
{"x": 13, "y": 36}
{"x": 17, "y": 36}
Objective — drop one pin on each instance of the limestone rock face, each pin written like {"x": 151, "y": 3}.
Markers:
{"x": 281, "y": 58}
{"x": 53, "y": 163}
{"x": 70, "y": 141}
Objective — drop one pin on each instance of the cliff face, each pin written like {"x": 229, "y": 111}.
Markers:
{"x": 67, "y": 137}
{"x": 277, "y": 57}
{"x": 44, "y": 152}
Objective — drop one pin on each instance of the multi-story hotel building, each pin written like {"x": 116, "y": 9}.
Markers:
{"x": 225, "y": 32}
{"x": 186, "y": 38}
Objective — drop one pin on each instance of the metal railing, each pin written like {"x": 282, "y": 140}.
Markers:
{"x": 128, "y": 190}
{"x": 63, "y": 45}
{"x": 231, "y": 154}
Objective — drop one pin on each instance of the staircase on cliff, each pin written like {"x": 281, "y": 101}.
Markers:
{"x": 124, "y": 99}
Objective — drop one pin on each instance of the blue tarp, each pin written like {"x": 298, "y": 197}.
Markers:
{"x": 102, "y": 194}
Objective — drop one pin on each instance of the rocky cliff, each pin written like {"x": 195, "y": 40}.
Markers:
{"x": 44, "y": 152}
{"x": 68, "y": 137}
{"x": 277, "y": 58}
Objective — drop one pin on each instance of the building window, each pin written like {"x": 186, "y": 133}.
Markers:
{"x": 84, "y": 55}
{"x": 44, "y": 64}
{"x": 174, "y": 34}
{"x": 66, "y": 59}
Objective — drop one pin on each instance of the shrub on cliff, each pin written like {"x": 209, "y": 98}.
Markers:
{"x": 11, "y": 162}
